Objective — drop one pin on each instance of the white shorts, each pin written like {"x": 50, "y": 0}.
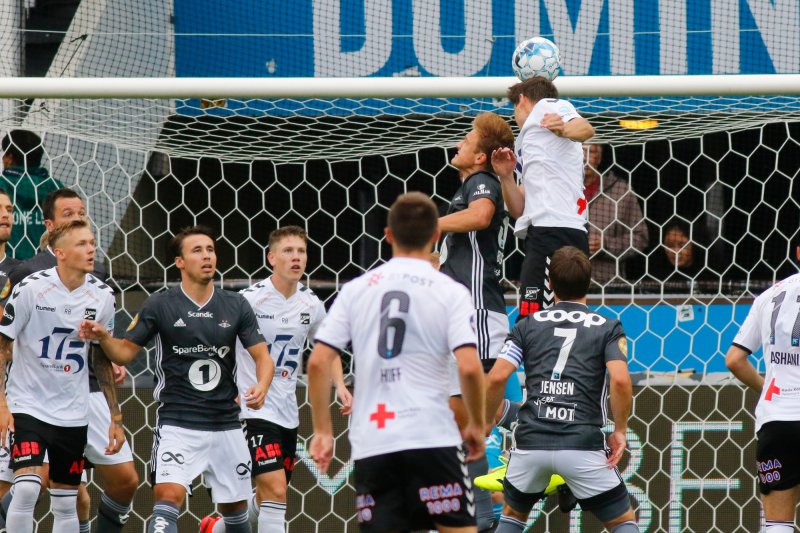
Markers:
{"x": 97, "y": 436}
{"x": 180, "y": 455}
{"x": 585, "y": 471}
{"x": 6, "y": 474}
{"x": 492, "y": 329}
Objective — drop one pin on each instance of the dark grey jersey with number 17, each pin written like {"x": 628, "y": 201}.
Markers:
{"x": 564, "y": 350}
{"x": 195, "y": 355}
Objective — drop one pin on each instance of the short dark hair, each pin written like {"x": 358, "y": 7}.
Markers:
{"x": 570, "y": 273}
{"x": 57, "y": 233}
{"x": 175, "y": 246}
{"x": 4, "y": 192}
{"x": 24, "y": 147}
{"x": 49, "y": 204}
{"x": 534, "y": 89}
{"x": 413, "y": 220}
{"x": 286, "y": 231}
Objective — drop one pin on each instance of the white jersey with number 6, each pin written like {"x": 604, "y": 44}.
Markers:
{"x": 286, "y": 323}
{"x": 404, "y": 320}
{"x": 774, "y": 325}
{"x": 49, "y": 378}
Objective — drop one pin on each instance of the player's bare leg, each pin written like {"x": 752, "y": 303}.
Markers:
{"x": 82, "y": 507}
{"x": 779, "y": 509}
{"x": 269, "y": 512}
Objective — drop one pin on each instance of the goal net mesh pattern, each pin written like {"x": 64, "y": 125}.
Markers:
{"x": 722, "y": 168}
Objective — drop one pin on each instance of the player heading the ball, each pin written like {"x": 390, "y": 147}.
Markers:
{"x": 405, "y": 321}
{"x": 195, "y": 328}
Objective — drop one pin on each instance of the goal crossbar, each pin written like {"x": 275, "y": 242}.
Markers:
{"x": 397, "y": 87}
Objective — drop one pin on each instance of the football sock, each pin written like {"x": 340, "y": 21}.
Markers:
{"x": 484, "y": 513}
{"x": 84, "y": 526}
{"x": 236, "y": 522}
{"x": 272, "y": 517}
{"x": 510, "y": 525}
{"x": 65, "y": 516}
{"x": 219, "y": 527}
{"x": 111, "y": 515}
{"x": 626, "y": 527}
{"x": 164, "y": 519}
{"x": 775, "y": 526}
{"x": 20, "y": 512}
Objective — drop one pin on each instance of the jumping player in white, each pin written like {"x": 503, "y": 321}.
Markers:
{"x": 773, "y": 325}
{"x": 572, "y": 356}
{"x": 405, "y": 321}
{"x": 48, "y": 385}
{"x": 289, "y": 314}
{"x": 197, "y": 428}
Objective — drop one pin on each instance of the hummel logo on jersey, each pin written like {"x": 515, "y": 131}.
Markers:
{"x": 201, "y": 314}
{"x": 89, "y": 314}
{"x": 179, "y": 323}
{"x": 305, "y": 318}
{"x": 268, "y": 317}
{"x": 45, "y": 308}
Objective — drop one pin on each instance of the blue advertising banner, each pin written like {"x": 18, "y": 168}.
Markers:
{"x": 476, "y": 37}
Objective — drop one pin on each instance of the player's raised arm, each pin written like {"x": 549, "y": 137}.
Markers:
{"x": 119, "y": 351}
{"x": 576, "y": 129}
{"x": 104, "y": 372}
{"x": 504, "y": 162}
{"x": 265, "y": 369}
{"x": 319, "y": 395}
{"x": 621, "y": 400}
{"x": 6, "y": 356}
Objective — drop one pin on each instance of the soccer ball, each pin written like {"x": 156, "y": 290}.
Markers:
{"x": 536, "y": 57}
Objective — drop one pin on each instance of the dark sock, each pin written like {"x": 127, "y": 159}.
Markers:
{"x": 237, "y": 522}
{"x": 164, "y": 519}
{"x": 484, "y": 513}
{"x": 509, "y": 525}
{"x": 111, "y": 515}
{"x": 511, "y": 410}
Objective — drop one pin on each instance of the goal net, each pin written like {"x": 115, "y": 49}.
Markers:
{"x": 715, "y": 161}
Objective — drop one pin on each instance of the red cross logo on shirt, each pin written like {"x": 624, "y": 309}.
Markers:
{"x": 381, "y": 416}
{"x": 581, "y": 205}
{"x": 772, "y": 389}
{"x": 374, "y": 279}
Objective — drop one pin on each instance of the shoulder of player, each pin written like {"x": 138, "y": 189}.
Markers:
{"x": 98, "y": 285}
{"x": 35, "y": 278}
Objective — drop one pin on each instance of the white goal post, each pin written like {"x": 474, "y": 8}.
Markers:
{"x": 397, "y": 87}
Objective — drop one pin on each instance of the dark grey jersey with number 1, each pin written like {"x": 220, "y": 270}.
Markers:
{"x": 565, "y": 350}
{"x": 195, "y": 355}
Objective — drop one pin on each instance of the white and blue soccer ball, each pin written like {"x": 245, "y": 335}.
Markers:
{"x": 536, "y": 57}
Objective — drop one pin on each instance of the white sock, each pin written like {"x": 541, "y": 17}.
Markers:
{"x": 26, "y": 492}
{"x": 65, "y": 516}
{"x": 272, "y": 517}
{"x": 774, "y": 526}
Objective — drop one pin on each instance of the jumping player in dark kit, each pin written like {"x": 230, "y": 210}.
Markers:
{"x": 197, "y": 431}
{"x": 572, "y": 358}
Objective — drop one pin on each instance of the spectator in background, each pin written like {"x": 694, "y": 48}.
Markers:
{"x": 679, "y": 258}
{"x": 28, "y": 183}
{"x": 616, "y": 226}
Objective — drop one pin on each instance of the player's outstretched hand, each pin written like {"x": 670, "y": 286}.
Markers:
{"x": 554, "y": 123}
{"x": 475, "y": 440}
{"x": 119, "y": 373}
{"x": 345, "y": 398}
{"x": 617, "y": 442}
{"x": 321, "y": 450}
{"x": 254, "y": 397}
{"x": 6, "y": 424}
{"x": 116, "y": 437}
{"x": 503, "y": 162}
{"x": 89, "y": 330}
